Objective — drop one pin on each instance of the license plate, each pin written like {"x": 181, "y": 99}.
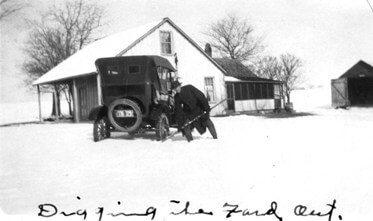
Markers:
{"x": 124, "y": 113}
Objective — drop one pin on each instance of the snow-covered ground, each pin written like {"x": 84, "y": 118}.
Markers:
{"x": 11, "y": 113}
{"x": 311, "y": 160}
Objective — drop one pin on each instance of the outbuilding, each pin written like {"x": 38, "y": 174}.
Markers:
{"x": 354, "y": 87}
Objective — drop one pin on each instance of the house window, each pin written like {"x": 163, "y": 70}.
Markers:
{"x": 264, "y": 91}
{"x": 237, "y": 91}
{"x": 166, "y": 42}
{"x": 209, "y": 89}
{"x": 241, "y": 91}
{"x": 270, "y": 91}
{"x": 252, "y": 91}
{"x": 258, "y": 91}
{"x": 245, "y": 94}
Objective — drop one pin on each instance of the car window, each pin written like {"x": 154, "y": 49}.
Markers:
{"x": 113, "y": 70}
{"x": 133, "y": 69}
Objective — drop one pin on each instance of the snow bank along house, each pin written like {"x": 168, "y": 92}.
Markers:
{"x": 219, "y": 79}
{"x": 354, "y": 87}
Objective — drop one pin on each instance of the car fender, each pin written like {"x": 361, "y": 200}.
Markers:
{"x": 158, "y": 110}
{"x": 97, "y": 112}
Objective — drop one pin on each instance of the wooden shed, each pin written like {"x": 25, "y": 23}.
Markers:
{"x": 354, "y": 87}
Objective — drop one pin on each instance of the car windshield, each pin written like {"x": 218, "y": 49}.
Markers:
{"x": 165, "y": 76}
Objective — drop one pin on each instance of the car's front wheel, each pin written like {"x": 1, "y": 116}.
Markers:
{"x": 162, "y": 128}
{"x": 101, "y": 129}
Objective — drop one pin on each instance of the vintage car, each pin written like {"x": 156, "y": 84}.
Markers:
{"x": 136, "y": 96}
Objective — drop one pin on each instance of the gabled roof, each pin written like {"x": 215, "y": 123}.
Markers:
{"x": 191, "y": 41}
{"x": 235, "y": 68}
{"x": 239, "y": 71}
{"x": 360, "y": 69}
{"x": 82, "y": 62}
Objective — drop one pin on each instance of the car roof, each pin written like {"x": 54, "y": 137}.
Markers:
{"x": 158, "y": 60}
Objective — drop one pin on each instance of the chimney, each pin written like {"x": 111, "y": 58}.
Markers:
{"x": 208, "y": 49}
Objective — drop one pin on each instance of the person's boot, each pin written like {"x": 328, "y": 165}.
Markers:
{"x": 212, "y": 129}
{"x": 188, "y": 133}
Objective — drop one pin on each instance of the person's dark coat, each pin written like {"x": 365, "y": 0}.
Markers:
{"x": 190, "y": 103}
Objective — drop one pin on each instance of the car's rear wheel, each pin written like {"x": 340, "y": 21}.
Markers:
{"x": 162, "y": 127}
{"x": 101, "y": 129}
{"x": 125, "y": 115}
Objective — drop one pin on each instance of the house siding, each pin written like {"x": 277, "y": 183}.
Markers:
{"x": 254, "y": 105}
{"x": 193, "y": 66}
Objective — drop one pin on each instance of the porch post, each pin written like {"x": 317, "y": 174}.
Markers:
{"x": 56, "y": 103}
{"x": 39, "y": 102}
{"x": 75, "y": 102}
{"x": 99, "y": 92}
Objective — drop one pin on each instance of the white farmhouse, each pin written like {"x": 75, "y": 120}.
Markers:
{"x": 166, "y": 39}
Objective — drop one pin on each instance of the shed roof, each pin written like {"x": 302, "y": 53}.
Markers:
{"x": 82, "y": 62}
{"x": 360, "y": 69}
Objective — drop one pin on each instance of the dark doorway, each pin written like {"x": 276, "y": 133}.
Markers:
{"x": 277, "y": 94}
{"x": 230, "y": 96}
{"x": 83, "y": 108}
{"x": 361, "y": 91}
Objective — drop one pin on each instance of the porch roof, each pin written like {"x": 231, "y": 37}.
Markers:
{"x": 83, "y": 61}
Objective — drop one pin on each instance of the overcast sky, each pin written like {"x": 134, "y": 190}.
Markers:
{"x": 329, "y": 35}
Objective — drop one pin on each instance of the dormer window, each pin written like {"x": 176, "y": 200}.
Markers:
{"x": 166, "y": 42}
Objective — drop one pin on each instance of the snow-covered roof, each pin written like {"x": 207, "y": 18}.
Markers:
{"x": 235, "y": 68}
{"x": 360, "y": 69}
{"x": 231, "y": 79}
{"x": 82, "y": 62}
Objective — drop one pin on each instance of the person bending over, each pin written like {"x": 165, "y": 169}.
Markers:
{"x": 190, "y": 103}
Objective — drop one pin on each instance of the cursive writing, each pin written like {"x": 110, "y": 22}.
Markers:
{"x": 186, "y": 211}
{"x": 48, "y": 210}
{"x": 234, "y": 209}
{"x": 301, "y": 210}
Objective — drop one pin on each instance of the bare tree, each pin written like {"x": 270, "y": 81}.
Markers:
{"x": 268, "y": 67}
{"x": 9, "y": 7}
{"x": 233, "y": 37}
{"x": 291, "y": 73}
{"x": 60, "y": 33}
{"x": 286, "y": 69}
